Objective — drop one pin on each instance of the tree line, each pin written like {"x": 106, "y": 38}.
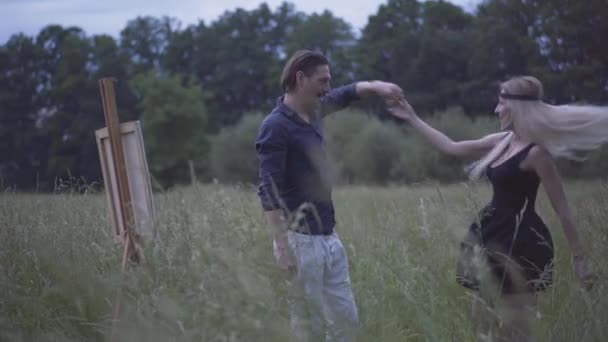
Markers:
{"x": 189, "y": 84}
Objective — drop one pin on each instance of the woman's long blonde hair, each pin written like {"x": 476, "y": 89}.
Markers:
{"x": 565, "y": 131}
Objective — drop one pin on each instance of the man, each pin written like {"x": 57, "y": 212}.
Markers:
{"x": 295, "y": 191}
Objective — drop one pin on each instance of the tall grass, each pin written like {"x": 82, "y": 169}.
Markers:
{"x": 211, "y": 277}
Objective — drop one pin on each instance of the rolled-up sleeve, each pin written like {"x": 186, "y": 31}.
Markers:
{"x": 271, "y": 147}
{"x": 339, "y": 98}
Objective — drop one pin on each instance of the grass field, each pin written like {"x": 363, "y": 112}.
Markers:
{"x": 211, "y": 276}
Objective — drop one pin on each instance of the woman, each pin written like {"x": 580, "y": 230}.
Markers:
{"x": 507, "y": 255}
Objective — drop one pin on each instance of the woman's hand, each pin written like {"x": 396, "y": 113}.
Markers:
{"x": 584, "y": 272}
{"x": 401, "y": 108}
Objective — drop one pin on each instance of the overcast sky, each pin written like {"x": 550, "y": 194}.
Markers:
{"x": 111, "y": 16}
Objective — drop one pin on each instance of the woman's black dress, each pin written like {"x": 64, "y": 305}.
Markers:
{"x": 509, "y": 237}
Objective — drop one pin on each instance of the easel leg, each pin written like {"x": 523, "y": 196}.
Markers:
{"x": 129, "y": 253}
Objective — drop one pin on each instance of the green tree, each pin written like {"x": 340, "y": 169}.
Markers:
{"x": 68, "y": 118}
{"x": 174, "y": 124}
{"x": 22, "y": 147}
{"x": 570, "y": 36}
{"x": 145, "y": 40}
{"x": 423, "y": 47}
{"x": 505, "y": 45}
{"x": 179, "y": 56}
{"x": 390, "y": 41}
{"x": 232, "y": 156}
{"x": 71, "y": 109}
{"x": 233, "y": 59}
{"x": 444, "y": 51}
{"x": 331, "y": 36}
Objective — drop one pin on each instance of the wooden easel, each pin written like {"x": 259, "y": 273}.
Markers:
{"x": 130, "y": 253}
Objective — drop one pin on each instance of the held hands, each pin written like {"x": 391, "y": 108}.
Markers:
{"x": 388, "y": 91}
{"x": 393, "y": 97}
{"x": 400, "y": 108}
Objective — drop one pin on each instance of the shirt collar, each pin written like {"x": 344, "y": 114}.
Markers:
{"x": 292, "y": 114}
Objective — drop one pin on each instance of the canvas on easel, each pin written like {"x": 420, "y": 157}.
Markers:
{"x": 140, "y": 188}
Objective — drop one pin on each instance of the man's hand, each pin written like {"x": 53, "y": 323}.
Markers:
{"x": 386, "y": 90}
{"x": 282, "y": 253}
{"x": 280, "y": 245}
{"x": 389, "y": 91}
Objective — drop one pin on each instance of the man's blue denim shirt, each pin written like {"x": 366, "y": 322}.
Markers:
{"x": 295, "y": 173}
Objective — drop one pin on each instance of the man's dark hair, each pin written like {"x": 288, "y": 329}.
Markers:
{"x": 303, "y": 60}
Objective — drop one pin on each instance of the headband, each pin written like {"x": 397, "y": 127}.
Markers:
{"x": 519, "y": 97}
